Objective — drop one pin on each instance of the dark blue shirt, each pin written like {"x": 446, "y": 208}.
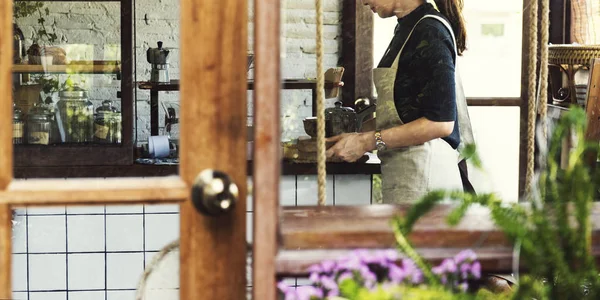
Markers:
{"x": 424, "y": 85}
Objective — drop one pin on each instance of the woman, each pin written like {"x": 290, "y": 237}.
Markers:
{"x": 420, "y": 104}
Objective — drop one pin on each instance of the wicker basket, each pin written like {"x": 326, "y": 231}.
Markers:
{"x": 572, "y": 54}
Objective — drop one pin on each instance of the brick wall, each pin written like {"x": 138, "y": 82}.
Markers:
{"x": 98, "y": 24}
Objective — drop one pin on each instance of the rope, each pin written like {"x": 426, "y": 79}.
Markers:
{"x": 544, "y": 67}
{"x": 531, "y": 93}
{"x": 140, "y": 293}
{"x": 321, "y": 157}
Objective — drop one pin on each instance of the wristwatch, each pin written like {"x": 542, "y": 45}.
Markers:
{"x": 379, "y": 143}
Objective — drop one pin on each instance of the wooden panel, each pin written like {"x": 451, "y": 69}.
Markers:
{"x": 6, "y": 103}
{"x": 593, "y": 103}
{"x": 357, "y": 51}
{"x": 266, "y": 147}
{"x": 52, "y": 192}
{"x": 5, "y": 251}
{"x": 494, "y": 101}
{"x": 72, "y": 155}
{"x": 329, "y": 228}
{"x": 214, "y": 39}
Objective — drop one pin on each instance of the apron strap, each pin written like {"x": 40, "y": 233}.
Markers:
{"x": 464, "y": 177}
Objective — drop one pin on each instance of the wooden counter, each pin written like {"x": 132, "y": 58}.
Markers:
{"x": 139, "y": 170}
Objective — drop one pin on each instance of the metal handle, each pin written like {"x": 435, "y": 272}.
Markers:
{"x": 214, "y": 193}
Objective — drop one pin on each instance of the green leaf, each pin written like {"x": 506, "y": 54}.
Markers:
{"x": 41, "y": 20}
{"x": 47, "y": 11}
{"x": 349, "y": 289}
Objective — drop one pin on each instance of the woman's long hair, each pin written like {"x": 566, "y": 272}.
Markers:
{"x": 452, "y": 10}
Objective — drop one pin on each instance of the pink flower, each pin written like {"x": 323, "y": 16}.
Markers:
{"x": 476, "y": 270}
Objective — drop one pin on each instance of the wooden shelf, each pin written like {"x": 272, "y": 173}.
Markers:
{"x": 140, "y": 170}
{"x": 69, "y": 69}
{"x": 287, "y": 84}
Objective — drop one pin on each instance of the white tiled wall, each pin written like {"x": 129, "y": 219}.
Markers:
{"x": 99, "y": 252}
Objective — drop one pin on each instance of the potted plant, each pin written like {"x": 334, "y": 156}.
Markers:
{"x": 41, "y": 34}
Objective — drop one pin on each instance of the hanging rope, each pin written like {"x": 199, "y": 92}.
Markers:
{"x": 321, "y": 158}
{"x": 544, "y": 41}
{"x": 531, "y": 92}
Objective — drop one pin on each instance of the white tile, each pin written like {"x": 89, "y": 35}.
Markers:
{"x": 161, "y": 230}
{"x": 166, "y": 273}
{"x": 58, "y": 210}
{"x": 161, "y": 208}
{"x": 308, "y": 190}
{"x": 86, "y": 271}
{"x": 124, "y": 270}
{"x": 85, "y": 233}
{"x": 352, "y": 189}
{"x": 84, "y": 210}
{"x": 287, "y": 190}
{"x": 97, "y": 295}
{"x": 19, "y": 272}
{"x": 124, "y": 233}
{"x": 162, "y": 294}
{"x": 124, "y": 209}
{"x": 20, "y": 211}
{"x": 47, "y": 234}
{"x": 47, "y": 272}
{"x": 19, "y": 236}
{"x": 249, "y": 227}
{"x": 19, "y": 296}
{"x": 120, "y": 295}
{"x": 48, "y": 296}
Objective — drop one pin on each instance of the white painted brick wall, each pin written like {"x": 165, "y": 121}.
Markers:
{"x": 98, "y": 23}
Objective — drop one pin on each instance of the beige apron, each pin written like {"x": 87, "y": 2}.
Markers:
{"x": 410, "y": 172}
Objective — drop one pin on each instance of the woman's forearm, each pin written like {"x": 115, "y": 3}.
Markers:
{"x": 413, "y": 133}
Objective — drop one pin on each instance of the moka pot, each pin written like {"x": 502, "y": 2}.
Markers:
{"x": 159, "y": 58}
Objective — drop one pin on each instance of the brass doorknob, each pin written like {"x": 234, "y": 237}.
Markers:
{"x": 214, "y": 193}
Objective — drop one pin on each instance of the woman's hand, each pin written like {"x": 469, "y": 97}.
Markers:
{"x": 351, "y": 146}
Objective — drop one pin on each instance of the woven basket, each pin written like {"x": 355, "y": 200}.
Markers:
{"x": 572, "y": 54}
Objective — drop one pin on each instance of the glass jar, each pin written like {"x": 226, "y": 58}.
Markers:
{"x": 18, "y": 125}
{"x": 77, "y": 116}
{"x": 107, "y": 124}
{"x": 38, "y": 126}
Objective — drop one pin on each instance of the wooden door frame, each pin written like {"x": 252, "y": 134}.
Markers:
{"x": 213, "y": 256}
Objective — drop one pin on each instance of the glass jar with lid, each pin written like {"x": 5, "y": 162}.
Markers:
{"x": 18, "y": 125}
{"x": 77, "y": 115}
{"x": 39, "y": 126}
{"x": 107, "y": 124}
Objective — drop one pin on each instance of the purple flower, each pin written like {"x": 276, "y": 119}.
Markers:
{"x": 325, "y": 266}
{"x": 328, "y": 283}
{"x": 314, "y": 277}
{"x": 465, "y": 255}
{"x": 449, "y": 266}
{"x": 396, "y": 274}
{"x": 476, "y": 270}
{"x": 417, "y": 277}
{"x": 345, "y": 276}
{"x": 283, "y": 287}
{"x": 463, "y": 286}
{"x": 465, "y": 269}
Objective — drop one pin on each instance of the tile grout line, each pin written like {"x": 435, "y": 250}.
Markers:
{"x": 66, "y": 255}
{"x": 105, "y": 259}
{"x": 27, "y": 249}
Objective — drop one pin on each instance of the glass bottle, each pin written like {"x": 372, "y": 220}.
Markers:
{"x": 18, "y": 125}
{"x": 107, "y": 124}
{"x": 77, "y": 115}
{"x": 38, "y": 126}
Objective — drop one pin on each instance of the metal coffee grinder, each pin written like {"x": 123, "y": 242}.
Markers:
{"x": 159, "y": 58}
